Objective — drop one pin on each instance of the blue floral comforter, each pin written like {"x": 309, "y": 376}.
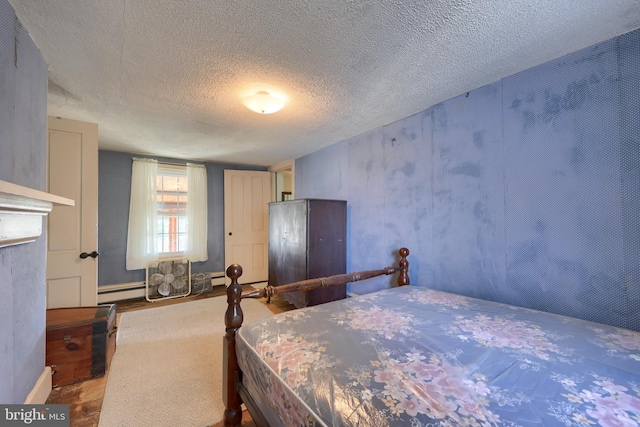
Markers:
{"x": 412, "y": 356}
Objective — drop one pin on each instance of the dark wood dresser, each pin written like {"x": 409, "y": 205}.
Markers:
{"x": 308, "y": 239}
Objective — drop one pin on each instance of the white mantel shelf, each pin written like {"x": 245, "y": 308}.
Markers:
{"x": 21, "y": 212}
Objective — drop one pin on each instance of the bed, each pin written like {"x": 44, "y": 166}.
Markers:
{"x": 414, "y": 356}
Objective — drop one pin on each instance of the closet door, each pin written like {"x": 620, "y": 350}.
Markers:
{"x": 246, "y": 198}
{"x": 72, "y": 236}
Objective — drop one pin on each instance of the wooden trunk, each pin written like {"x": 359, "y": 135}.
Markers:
{"x": 80, "y": 342}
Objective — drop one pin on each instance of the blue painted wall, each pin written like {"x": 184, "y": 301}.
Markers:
{"x": 524, "y": 191}
{"x": 114, "y": 191}
{"x": 23, "y": 123}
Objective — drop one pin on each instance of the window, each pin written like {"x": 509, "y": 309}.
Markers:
{"x": 167, "y": 213}
{"x": 172, "y": 199}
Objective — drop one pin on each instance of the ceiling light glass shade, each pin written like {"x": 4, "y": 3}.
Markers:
{"x": 264, "y": 103}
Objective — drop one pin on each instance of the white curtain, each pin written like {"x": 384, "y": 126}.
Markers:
{"x": 143, "y": 215}
{"x": 197, "y": 213}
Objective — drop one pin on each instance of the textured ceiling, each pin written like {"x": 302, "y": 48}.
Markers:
{"x": 167, "y": 77}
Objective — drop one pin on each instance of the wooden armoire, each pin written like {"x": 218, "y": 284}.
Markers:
{"x": 308, "y": 239}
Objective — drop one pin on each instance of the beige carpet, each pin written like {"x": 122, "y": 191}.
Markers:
{"x": 167, "y": 368}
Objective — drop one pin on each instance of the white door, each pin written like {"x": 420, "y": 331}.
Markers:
{"x": 72, "y": 237}
{"x": 246, "y": 223}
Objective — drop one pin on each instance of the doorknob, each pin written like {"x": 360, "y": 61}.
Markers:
{"x": 93, "y": 254}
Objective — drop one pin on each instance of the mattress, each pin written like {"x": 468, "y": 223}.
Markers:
{"x": 412, "y": 356}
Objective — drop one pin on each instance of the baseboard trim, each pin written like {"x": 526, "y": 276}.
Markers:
{"x": 120, "y": 291}
{"x": 124, "y": 291}
{"x": 217, "y": 279}
{"x": 41, "y": 390}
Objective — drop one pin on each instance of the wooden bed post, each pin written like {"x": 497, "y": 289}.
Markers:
{"x": 232, "y": 320}
{"x": 403, "y": 278}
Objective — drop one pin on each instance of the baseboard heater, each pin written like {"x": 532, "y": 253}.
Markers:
{"x": 124, "y": 291}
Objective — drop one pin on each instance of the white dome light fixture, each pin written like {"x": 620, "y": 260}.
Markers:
{"x": 263, "y": 103}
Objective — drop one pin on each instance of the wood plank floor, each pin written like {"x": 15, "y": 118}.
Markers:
{"x": 85, "y": 398}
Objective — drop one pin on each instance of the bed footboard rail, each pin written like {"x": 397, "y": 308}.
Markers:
{"x": 338, "y": 279}
{"x": 232, "y": 374}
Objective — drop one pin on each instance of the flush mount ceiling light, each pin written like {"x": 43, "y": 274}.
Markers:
{"x": 264, "y": 103}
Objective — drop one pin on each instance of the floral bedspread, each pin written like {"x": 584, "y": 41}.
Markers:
{"x": 412, "y": 356}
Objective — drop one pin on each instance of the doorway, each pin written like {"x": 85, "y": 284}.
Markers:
{"x": 282, "y": 181}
